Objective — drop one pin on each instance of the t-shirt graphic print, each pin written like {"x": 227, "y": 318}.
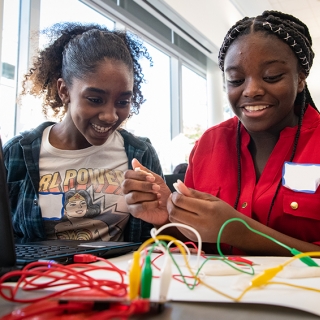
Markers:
{"x": 79, "y": 202}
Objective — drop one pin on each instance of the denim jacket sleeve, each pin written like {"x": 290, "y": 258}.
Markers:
{"x": 21, "y": 158}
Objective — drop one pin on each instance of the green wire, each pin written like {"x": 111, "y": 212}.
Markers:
{"x": 192, "y": 286}
{"x": 232, "y": 264}
{"x": 307, "y": 260}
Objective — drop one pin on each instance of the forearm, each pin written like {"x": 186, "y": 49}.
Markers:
{"x": 239, "y": 236}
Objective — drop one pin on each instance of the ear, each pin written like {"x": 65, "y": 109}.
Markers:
{"x": 63, "y": 91}
{"x": 301, "y": 81}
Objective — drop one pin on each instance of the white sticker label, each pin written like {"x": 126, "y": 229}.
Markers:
{"x": 301, "y": 177}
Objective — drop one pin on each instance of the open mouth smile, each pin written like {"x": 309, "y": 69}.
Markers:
{"x": 100, "y": 129}
{"x": 255, "y": 108}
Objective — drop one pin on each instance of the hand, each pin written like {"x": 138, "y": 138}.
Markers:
{"x": 146, "y": 194}
{"x": 201, "y": 211}
{"x": 207, "y": 214}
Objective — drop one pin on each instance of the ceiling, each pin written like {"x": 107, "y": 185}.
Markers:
{"x": 213, "y": 18}
{"x": 307, "y": 11}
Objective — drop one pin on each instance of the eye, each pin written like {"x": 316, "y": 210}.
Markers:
{"x": 94, "y": 100}
{"x": 123, "y": 103}
{"x": 235, "y": 83}
{"x": 273, "y": 78}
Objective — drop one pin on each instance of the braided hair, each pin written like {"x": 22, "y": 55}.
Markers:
{"x": 296, "y": 34}
{"x": 287, "y": 28}
{"x": 74, "y": 50}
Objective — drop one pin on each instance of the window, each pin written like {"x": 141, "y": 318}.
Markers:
{"x": 60, "y": 11}
{"x": 30, "y": 113}
{"x": 8, "y": 68}
{"x": 194, "y": 112}
{"x": 153, "y": 120}
{"x": 175, "y": 88}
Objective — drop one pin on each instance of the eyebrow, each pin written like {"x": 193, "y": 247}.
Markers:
{"x": 266, "y": 63}
{"x": 97, "y": 90}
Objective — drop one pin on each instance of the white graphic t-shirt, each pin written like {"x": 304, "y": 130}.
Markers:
{"x": 79, "y": 191}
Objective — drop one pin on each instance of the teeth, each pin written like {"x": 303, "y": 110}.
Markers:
{"x": 255, "y": 108}
{"x": 100, "y": 129}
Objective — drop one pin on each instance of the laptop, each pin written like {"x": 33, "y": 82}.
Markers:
{"x": 16, "y": 253}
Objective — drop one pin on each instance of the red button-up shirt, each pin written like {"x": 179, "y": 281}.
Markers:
{"x": 213, "y": 169}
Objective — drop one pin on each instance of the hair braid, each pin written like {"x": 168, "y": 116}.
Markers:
{"x": 238, "y": 165}
{"x": 293, "y": 35}
{"x": 296, "y": 34}
{"x": 231, "y": 35}
{"x": 286, "y": 27}
{"x": 295, "y": 144}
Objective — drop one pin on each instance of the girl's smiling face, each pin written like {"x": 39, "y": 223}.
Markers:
{"x": 262, "y": 81}
{"x": 97, "y": 104}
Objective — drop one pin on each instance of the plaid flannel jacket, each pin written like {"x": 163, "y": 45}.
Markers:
{"x": 21, "y": 157}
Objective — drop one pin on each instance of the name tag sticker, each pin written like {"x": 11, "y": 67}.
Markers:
{"x": 301, "y": 177}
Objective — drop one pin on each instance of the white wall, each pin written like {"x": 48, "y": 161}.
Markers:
{"x": 213, "y": 18}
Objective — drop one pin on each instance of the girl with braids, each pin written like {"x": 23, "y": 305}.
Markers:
{"x": 89, "y": 78}
{"x": 235, "y": 169}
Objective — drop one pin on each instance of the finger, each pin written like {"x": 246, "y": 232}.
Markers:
{"x": 140, "y": 210}
{"x": 136, "y": 197}
{"x": 139, "y": 175}
{"x": 178, "y": 213}
{"x": 196, "y": 205}
{"x": 137, "y": 166}
{"x": 189, "y": 192}
{"x": 182, "y": 188}
{"x": 134, "y": 185}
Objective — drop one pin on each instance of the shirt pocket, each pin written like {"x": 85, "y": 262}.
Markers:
{"x": 300, "y": 204}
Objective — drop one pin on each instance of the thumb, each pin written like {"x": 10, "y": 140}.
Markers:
{"x": 189, "y": 192}
{"x": 137, "y": 166}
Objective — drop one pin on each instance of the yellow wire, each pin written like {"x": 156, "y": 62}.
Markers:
{"x": 264, "y": 278}
{"x": 182, "y": 250}
{"x": 261, "y": 279}
{"x": 294, "y": 285}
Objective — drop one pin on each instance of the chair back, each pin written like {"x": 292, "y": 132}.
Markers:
{"x": 172, "y": 178}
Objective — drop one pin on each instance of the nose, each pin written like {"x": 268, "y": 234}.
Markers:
{"x": 108, "y": 114}
{"x": 253, "y": 88}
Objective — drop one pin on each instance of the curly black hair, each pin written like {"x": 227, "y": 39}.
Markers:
{"x": 75, "y": 49}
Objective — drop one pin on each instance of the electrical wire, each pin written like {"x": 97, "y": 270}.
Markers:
{"x": 263, "y": 279}
{"x": 76, "y": 279}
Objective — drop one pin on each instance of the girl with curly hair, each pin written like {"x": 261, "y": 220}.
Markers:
{"x": 90, "y": 79}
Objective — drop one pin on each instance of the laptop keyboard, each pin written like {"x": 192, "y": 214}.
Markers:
{"x": 41, "y": 252}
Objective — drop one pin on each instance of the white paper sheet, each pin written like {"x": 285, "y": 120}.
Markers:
{"x": 233, "y": 285}
{"x": 272, "y": 294}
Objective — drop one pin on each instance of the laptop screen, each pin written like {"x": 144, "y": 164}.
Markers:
{"x": 7, "y": 248}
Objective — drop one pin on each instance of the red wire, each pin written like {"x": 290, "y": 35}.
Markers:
{"x": 44, "y": 275}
